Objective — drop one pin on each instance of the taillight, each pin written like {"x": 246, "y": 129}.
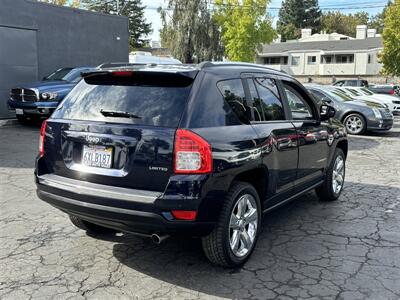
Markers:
{"x": 391, "y": 92}
{"x": 41, "y": 138}
{"x": 192, "y": 153}
{"x": 188, "y": 215}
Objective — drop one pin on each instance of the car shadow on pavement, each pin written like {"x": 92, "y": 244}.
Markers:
{"x": 294, "y": 248}
{"x": 393, "y": 133}
{"x": 362, "y": 143}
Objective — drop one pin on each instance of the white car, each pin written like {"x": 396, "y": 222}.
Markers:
{"x": 363, "y": 93}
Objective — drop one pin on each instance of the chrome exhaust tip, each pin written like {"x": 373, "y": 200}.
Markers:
{"x": 158, "y": 239}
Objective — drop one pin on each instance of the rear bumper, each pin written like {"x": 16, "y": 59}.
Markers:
{"x": 123, "y": 209}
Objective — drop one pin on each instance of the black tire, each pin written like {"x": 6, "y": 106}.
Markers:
{"x": 326, "y": 191}
{"x": 22, "y": 120}
{"x": 356, "y": 131}
{"x": 90, "y": 227}
{"x": 216, "y": 245}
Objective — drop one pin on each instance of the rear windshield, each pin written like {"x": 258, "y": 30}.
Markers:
{"x": 151, "y": 100}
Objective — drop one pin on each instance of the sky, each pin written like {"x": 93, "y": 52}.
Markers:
{"x": 369, "y": 6}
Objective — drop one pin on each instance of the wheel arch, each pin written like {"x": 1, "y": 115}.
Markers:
{"x": 353, "y": 112}
{"x": 258, "y": 178}
{"x": 344, "y": 146}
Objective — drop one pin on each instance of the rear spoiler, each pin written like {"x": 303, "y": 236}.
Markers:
{"x": 141, "y": 76}
{"x": 185, "y": 71}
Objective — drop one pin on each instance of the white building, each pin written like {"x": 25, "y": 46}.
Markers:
{"x": 155, "y": 44}
{"x": 325, "y": 54}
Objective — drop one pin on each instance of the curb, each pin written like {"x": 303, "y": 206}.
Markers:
{"x": 8, "y": 122}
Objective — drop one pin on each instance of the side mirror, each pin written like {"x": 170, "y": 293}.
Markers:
{"x": 326, "y": 112}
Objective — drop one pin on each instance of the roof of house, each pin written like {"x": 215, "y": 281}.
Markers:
{"x": 341, "y": 45}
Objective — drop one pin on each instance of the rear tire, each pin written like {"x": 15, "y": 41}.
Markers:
{"x": 90, "y": 227}
{"x": 333, "y": 184}
{"x": 233, "y": 239}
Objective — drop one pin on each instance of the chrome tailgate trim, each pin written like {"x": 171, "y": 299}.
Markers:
{"x": 97, "y": 190}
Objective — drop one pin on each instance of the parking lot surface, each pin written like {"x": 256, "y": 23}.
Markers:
{"x": 348, "y": 249}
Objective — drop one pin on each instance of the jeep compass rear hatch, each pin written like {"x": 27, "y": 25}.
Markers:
{"x": 117, "y": 128}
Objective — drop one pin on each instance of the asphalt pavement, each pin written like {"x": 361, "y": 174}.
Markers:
{"x": 348, "y": 249}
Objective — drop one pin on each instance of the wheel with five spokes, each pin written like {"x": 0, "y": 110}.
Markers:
{"x": 235, "y": 235}
{"x": 334, "y": 179}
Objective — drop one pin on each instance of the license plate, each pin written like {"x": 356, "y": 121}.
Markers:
{"x": 97, "y": 156}
{"x": 19, "y": 111}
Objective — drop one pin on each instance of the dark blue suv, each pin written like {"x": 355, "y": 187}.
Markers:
{"x": 38, "y": 100}
{"x": 196, "y": 150}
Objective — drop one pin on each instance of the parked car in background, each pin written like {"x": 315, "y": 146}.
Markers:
{"x": 197, "y": 150}
{"x": 388, "y": 89}
{"x": 39, "y": 99}
{"x": 357, "y": 115}
{"x": 392, "y": 102}
{"x": 351, "y": 82}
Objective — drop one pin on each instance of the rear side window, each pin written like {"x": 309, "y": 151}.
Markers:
{"x": 351, "y": 83}
{"x": 268, "y": 101}
{"x": 152, "y": 99}
{"x": 233, "y": 93}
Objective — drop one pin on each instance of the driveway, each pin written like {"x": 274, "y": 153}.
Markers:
{"x": 348, "y": 249}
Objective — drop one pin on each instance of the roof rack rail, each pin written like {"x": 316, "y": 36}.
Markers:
{"x": 207, "y": 64}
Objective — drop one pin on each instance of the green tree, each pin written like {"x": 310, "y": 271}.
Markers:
{"x": 343, "y": 24}
{"x": 378, "y": 21}
{"x": 298, "y": 14}
{"x": 190, "y": 32}
{"x": 139, "y": 29}
{"x": 245, "y": 25}
{"x": 390, "y": 57}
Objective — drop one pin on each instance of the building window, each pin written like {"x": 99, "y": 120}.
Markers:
{"x": 311, "y": 60}
{"x": 326, "y": 59}
{"x": 295, "y": 60}
{"x": 272, "y": 60}
{"x": 345, "y": 58}
{"x": 276, "y": 60}
{"x": 370, "y": 58}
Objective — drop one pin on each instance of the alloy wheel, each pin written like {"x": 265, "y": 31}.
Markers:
{"x": 354, "y": 124}
{"x": 338, "y": 175}
{"x": 243, "y": 225}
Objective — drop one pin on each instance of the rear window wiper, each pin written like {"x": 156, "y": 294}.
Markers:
{"x": 119, "y": 114}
